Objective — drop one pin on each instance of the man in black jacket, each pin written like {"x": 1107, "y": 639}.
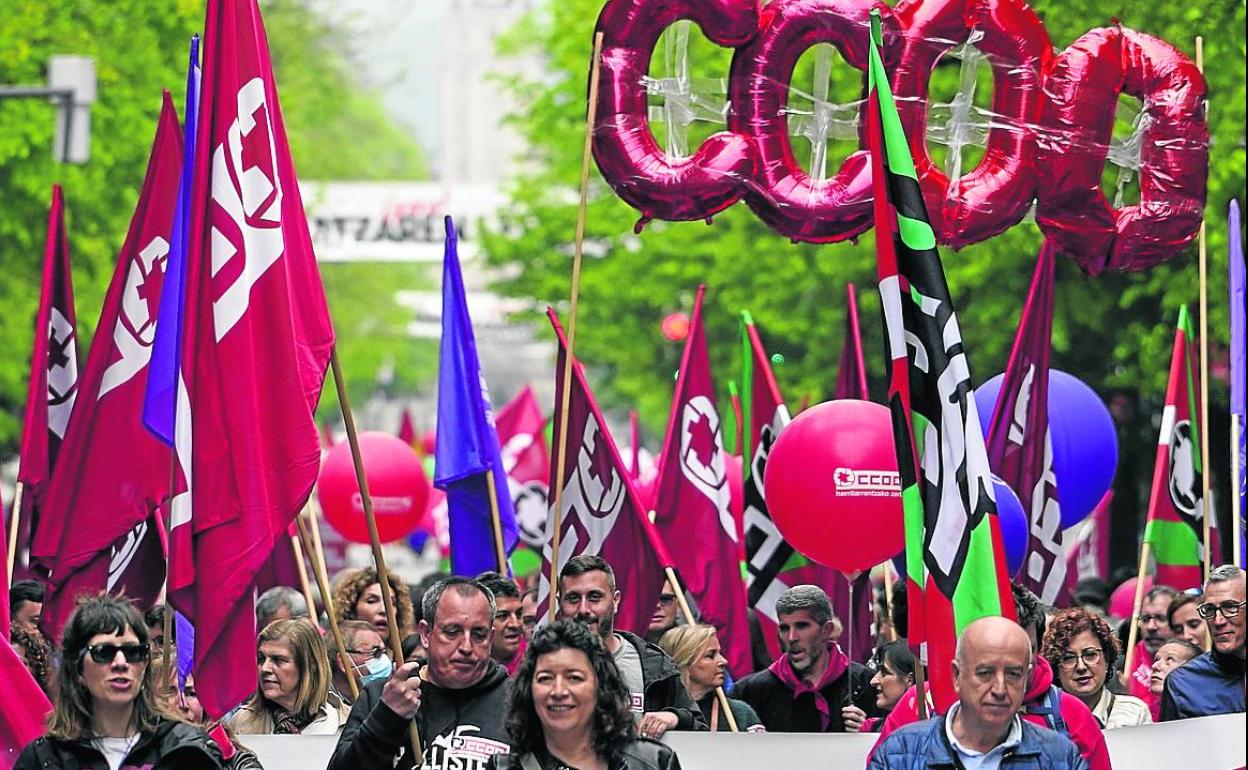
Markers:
{"x": 805, "y": 690}
{"x": 457, "y": 700}
{"x": 660, "y": 702}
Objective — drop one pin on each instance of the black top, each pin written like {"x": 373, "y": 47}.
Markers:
{"x": 641, "y": 754}
{"x": 171, "y": 745}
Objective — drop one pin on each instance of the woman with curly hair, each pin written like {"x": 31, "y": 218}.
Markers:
{"x": 105, "y": 714}
{"x": 569, "y": 708}
{"x": 1082, "y": 650}
{"x": 358, "y": 597}
{"x": 292, "y": 696}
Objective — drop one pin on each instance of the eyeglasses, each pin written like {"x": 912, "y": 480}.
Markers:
{"x": 1228, "y": 609}
{"x": 667, "y": 599}
{"x": 1145, "y": 619}
{"x": 1090, "y": 657}
{"x": 374, "y": 652}
{"x": 107, "y": 653}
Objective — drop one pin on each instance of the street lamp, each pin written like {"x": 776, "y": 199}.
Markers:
{"x": 71, "y": 84}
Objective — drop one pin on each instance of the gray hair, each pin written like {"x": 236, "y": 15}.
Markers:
{"x": 813, "y": 599}
{"x": 277, "y": 597}
{"x": 463, "y": 586}
{"x": 1224, "y": 573}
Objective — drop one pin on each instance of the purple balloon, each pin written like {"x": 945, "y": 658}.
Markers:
{"x": 1085, "y": 442}
{"x": 1013, "y": 521}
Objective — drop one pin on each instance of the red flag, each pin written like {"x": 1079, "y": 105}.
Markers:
{"x": 693, "y": 505}
{"x": 53, "y": 374}
{"x": 602, "y": 514}
{"x": 1088, "y": 556}
{"x": 526, "y": 459}
{"x": 407, "y": 429}
{"x": 257, "y": 343}
{"x": 23, "y": 706}
{"x": 4, "y": 575}
{"x": 112, "y": 472}
{"x": 1020, "y": 449}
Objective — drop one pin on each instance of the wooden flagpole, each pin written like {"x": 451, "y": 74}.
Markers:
{"x": 496, "y": 521}
{"x": 677, "y": 588}
{"x": 14, "y": 523}
{"x": 317, "y": 555}
{"x": 379, "y": 558}
{"x": 1206, "y": 496}
{"x": 1133, "y": 633}
{"x": 561, "y": 442}
{"x": 305, "y": 585}
{"x": 888, "y": 599}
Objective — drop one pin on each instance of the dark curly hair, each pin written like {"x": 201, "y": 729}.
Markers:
{"x": 1068, "y": 624}
{"x": 613, "y": 726}
{"x": 37, "y": 657}
{"x": 352, "y": 584}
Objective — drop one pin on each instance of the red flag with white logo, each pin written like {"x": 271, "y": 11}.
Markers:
{"x": 693, "y": 504}
{"x": 602, "y": 514}
{"x": 256, "y": 346}
{"x": 113, "y": 474}
{"x": 522, "y": 441}
{"x": 53, "y": 375}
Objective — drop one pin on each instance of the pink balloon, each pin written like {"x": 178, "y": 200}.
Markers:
{"x": 633, "y": 163}
{"x": 396, "y": 483}
{"x": 832, "y": 486}
{"x": 1122, "y": 600}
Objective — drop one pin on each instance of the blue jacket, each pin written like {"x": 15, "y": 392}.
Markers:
{"x": 924, "y": 746}
{"x": 1208, "y": 684}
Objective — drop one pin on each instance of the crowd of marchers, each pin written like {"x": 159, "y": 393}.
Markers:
{"x": 489, "y": 687}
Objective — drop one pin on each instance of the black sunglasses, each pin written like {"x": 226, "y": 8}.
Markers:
{"x": 107, "y": 653}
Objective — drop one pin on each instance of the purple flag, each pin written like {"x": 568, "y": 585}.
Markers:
{"x": 1239, "y": 380}
{"x": 1020, "y": 449}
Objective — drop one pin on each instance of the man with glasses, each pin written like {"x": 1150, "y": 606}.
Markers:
{"x": 370, "y": 660}
{"x": 1154, "y": 631}
{"x": 1213, "y": 683}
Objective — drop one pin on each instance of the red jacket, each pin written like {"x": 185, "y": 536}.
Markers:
{"x": 1081, "y": 727}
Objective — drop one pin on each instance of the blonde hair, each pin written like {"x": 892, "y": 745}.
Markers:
{"x": 685, "y": 644}
{"x": 308, "y": 651}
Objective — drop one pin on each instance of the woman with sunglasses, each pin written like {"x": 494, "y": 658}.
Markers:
{"x": 105, "y": 715}
{"x": 569, "y": 707}
{"x": 1082, "y": 650}
{"x": 292, "y": 695}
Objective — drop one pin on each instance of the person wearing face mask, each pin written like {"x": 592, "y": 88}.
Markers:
{"x": 569, "y": 708}
{"x": 894, "y": 674}
{"x": 105, "y": 715}
{"x": 697, "y": 654}
{"x": 369, "y": 657}
{"x": 457, "y": 699}
{"x": 185, "y": 705}
{"x": 1213, "y": 683}
{"x": 1082, "y": 650}
{"x": 292, "y": 695}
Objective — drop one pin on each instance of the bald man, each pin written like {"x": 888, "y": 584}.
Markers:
{"x": 983, "y": 731}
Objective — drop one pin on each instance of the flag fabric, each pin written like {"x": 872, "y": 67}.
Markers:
{"x": 53, "y": 385}
{"x": 1175, "y": 524}
{"x": 601, "y": 513}
{"x": 467, "y": 445}
{"x": 256, "y": 344}
{"x": 4, "y": 576}
{"x": 23, "y": 706}
{"x": 160, "y": 399}
{"x": 113, "y": 475}
{"x": 1020, "y": 444}
{"x": 1088, "y": 554}
{"x": 407, "y": 429}
{"x": 693, "y": 505}
{"x": 1239, "y": 372}
{"x": 526, "y": 460}
{"x": 954, "y": 561}
{"x": 634, "y": 444}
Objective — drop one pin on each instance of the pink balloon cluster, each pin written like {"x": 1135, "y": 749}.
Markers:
{"x": 1052, "y": 119}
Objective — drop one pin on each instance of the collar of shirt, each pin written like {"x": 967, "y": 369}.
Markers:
{"x": 1012, "y": 739}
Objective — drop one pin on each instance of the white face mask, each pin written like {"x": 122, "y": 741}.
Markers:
{"x": 376, "y": 668}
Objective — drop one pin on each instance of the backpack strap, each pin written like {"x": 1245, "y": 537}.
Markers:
{"x": 1050, "y": 707}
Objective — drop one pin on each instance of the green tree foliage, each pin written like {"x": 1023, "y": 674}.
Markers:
{"x": 140, "y": 49}
{"x": 1112, "y": 330}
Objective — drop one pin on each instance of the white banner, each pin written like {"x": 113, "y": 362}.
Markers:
{"x": 1207, "y": 743}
